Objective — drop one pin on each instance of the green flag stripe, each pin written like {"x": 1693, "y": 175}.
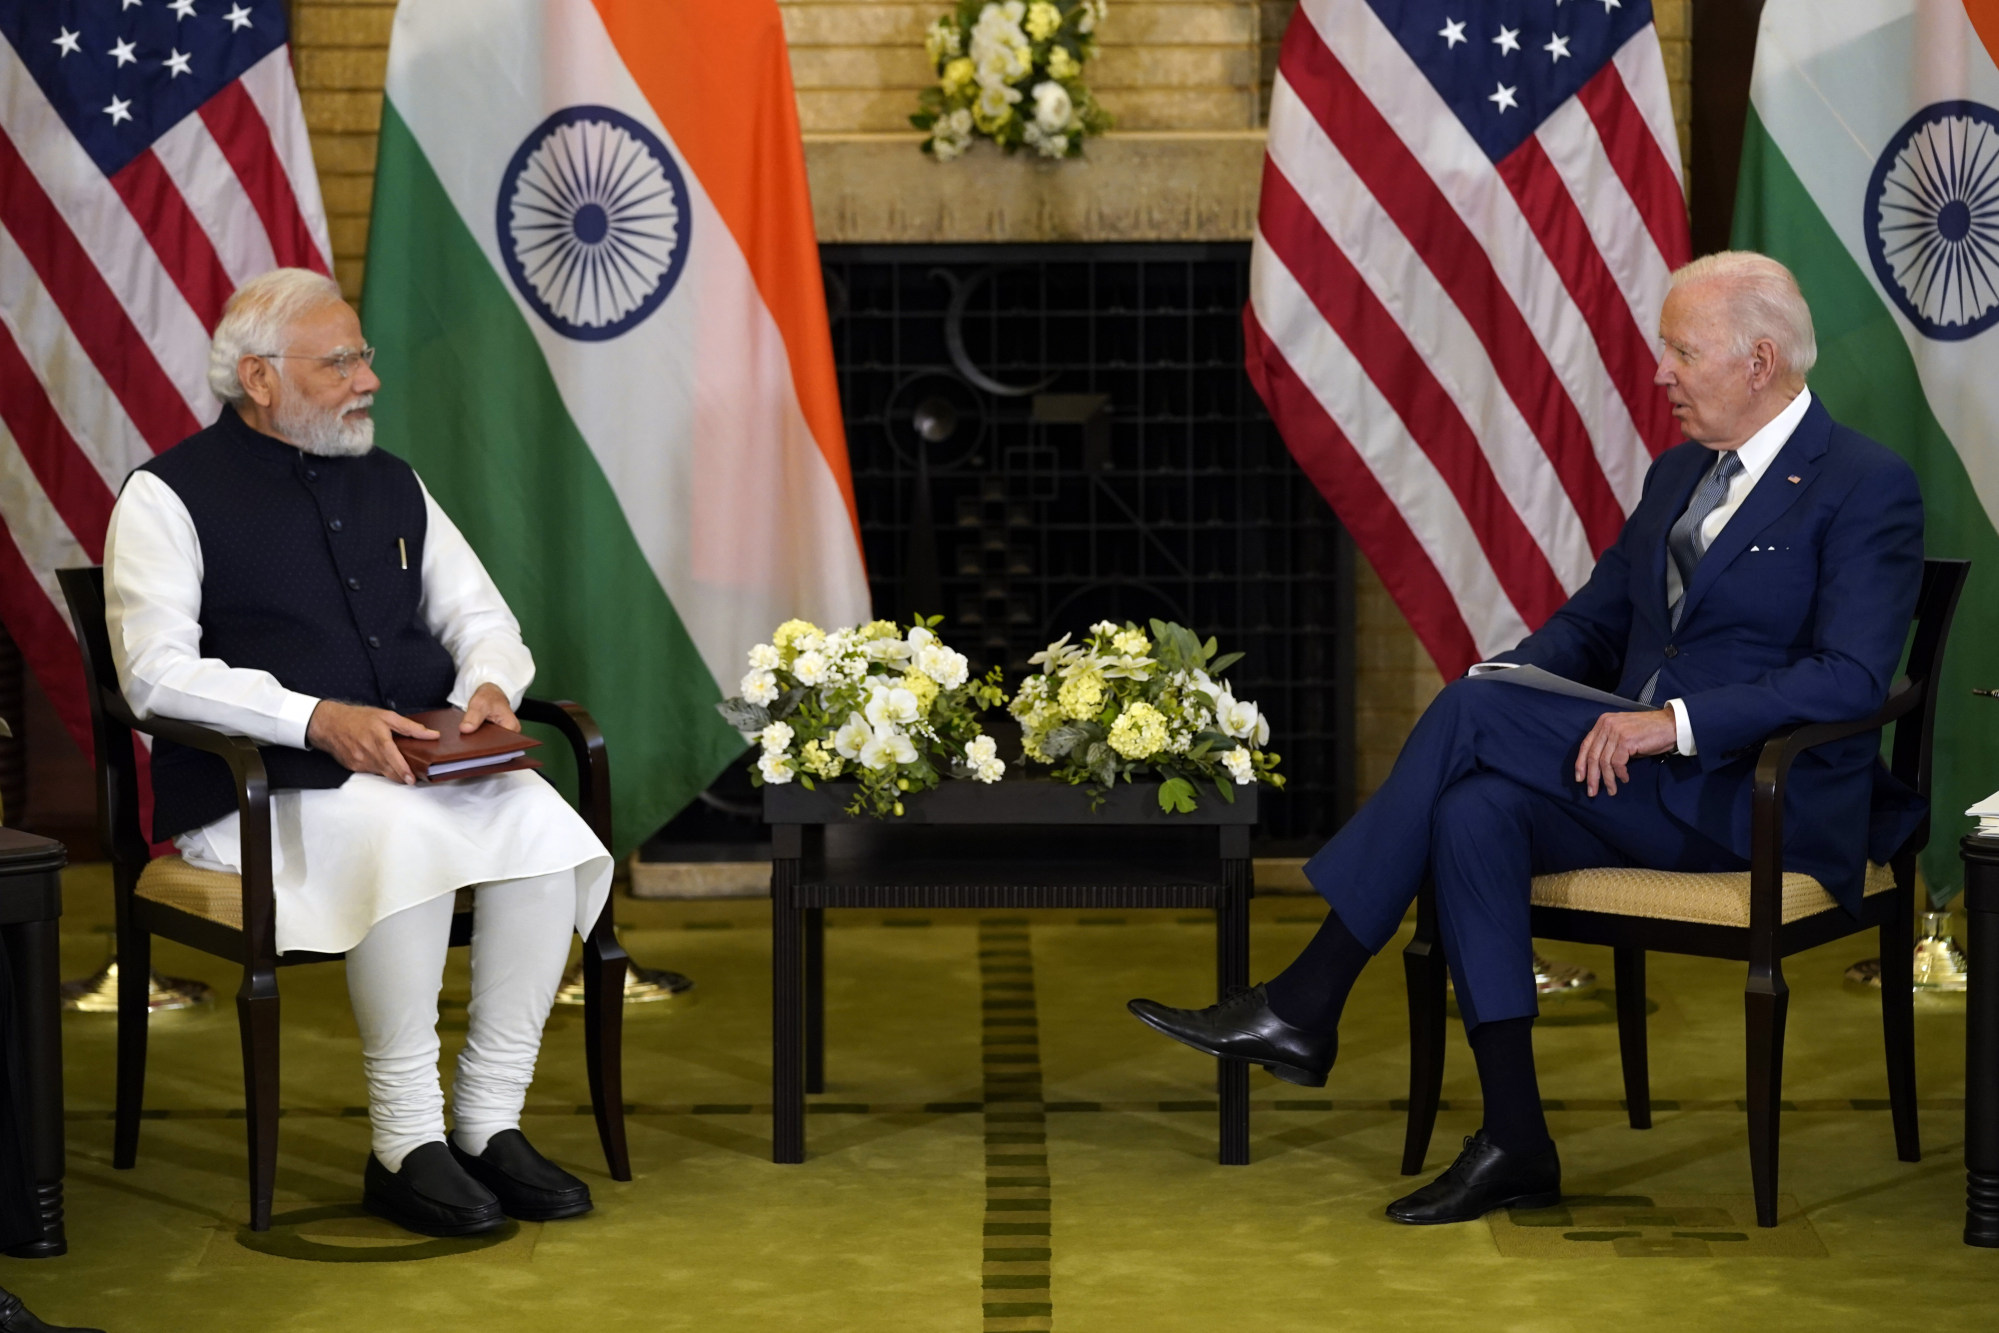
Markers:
{"x": 469, "y": 401}
{"x": 1868, "y": 380}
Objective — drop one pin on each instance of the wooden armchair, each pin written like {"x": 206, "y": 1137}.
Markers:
{"x": 234, "y": 917}
{"x": 1759, "y": 916}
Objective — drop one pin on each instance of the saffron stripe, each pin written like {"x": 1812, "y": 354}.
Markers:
{"x": 71, "y": 483}
{"x": 88, "y": 303}
{"x": 1639, "y": 162}
{"x": 1378, "y": 527}
{"x": 1405, "y": 381}
{"x": 177, "y": 237}
{"x": 245, "y": 139}
{"x": 1559, "y": 226}
{"x": 1453, "y": 254}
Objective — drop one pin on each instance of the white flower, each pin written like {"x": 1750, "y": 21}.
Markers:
{"x": 775, "y": 768}
{"x": 775, "y": 737}
{"x": 850, "y": 739}
{"x": 942, "y": 665}
{"x": 1052, "y": 106}
{"x": 1237, "y": 762}
{"x": 942, "y": 40}
{"x": 764, "y": 657}
{"x": 1105, "y": 627}
{"x": 1239, "y": 718}
{"x": 887, "y": 746}
{"x": 892, "y": 705}
{"x": 1048, "y": 145}
{"x": 982, "y": 755}
{"x": 990, "y": 771}
{"x": 759, "y": 687}
{"x": 810, "y": 668}
{"x": 918, "y": 638}
{"x": 810, "y": 642}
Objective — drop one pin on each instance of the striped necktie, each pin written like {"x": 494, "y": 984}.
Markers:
{"x": 1687, "y": 543}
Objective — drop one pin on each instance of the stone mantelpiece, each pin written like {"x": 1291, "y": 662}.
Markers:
{"x": 1129, "y": 186}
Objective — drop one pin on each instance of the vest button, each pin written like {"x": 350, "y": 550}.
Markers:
{"x": 374, "y": 641}
{"x": 390, "y": 704}
{"x": 311, "y": 475}
{"x": 355, "y": 584}
{"x": 1671, "y": 651}
{"x": 334, "y": 524}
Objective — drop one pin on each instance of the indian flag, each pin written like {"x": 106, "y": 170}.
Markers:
{"x": 1871, "y": 167}
{"x": 594, "y": 286}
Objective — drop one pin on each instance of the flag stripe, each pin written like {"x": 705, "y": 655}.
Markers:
{"x": 1565, "y": 236}
{"x": 1452, "y": 252}
{"x": 239, "y": 130}
{"x": 1641, "y": 63}
{"x": 1426, "y": 411}
{"x": 72, "y": 486}
{"x": 1328, "y": 457}
{"x": 177, "y": 238}
{"x": 271, "y": 87}
{"x": 92, "y": 309}
{"x": 1638, "y": 161}
{"x": 193, "y": 160}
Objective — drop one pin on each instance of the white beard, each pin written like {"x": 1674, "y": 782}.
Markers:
{"x": 327, "y": 433}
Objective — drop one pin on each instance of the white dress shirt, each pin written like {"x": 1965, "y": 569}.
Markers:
{"x": 346, "y": 857}
{"x": 1756, "y": 453}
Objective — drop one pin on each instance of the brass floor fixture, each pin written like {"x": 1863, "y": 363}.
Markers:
{"x": 1556, "y": 981}
{"x": 643, "y": 985}
{"x": 98, "y": 993}
{"x": 1940, "y": 962}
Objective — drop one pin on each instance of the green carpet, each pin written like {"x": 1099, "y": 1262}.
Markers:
{"x": 1001, "y": 1147}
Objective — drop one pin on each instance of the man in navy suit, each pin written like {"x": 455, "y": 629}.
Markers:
{"x": 1766, "y": 578}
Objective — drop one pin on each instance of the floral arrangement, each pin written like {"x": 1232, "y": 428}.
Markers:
{"x": 892, "y": 711}
{"x": 1121, "y": 703}
{"x": 991, "y": 56}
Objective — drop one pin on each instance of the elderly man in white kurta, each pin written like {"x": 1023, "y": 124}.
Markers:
{"x": 277, "y": 577}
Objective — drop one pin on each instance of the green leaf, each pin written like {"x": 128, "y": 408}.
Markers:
{"x": 1176, "y": 796}
{"x": 807, "y": 781}
{"x": 1223, "y": 663}
{"x": 744, "y": 715}
{"x": 1228, "y": 793}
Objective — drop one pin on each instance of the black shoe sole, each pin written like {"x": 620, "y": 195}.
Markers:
{"x": 1304, "y": 1078}
{"x": 550, "y": 1214}
{"x": 1544, "y": 1200}
{"x": 440, "y": 1230}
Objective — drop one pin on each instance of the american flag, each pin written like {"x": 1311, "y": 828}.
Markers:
{"x": 153, "y": 156}
{"x": 1470, "y": 212}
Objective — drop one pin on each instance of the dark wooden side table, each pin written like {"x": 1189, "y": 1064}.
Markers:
{"x": 1009, "y": 846}
{"x": 1981, "y": 1041}
{"x": 30, "y": 907}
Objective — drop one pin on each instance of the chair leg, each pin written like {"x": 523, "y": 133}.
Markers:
{"x": 1423, "y": 971}
{"x": 1898, "y": 1026}
{"x": 1765, "y": 1002}
{"x": 604, "y": 963}
{"x": 257, "y": 1017}
{"x": 135, "y": 969}
{"x": 1630, "y": 967}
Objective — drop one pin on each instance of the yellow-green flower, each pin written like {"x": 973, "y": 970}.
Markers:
{"x": 820, "y": 761}
{"x": 958, "y": 75}
{"x": 1139, "y": 732}
{"x": 924, "y": 688}
{"x": 792, "y": 630}
{"x": 1081, "y": 695}
{"x": 1131, "y": 641}
{"x": 1062, "y": 65}
{"x": 1042, "y": 20}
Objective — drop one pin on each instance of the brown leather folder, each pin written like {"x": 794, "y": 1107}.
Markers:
{"x": 489, "y": 750}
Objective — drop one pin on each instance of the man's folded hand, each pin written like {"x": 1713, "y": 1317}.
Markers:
{"x": 363, "y": 739}
{"x": 1617, "y": 739}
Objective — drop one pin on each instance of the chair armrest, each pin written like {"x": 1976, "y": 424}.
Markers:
{"x": 586, "y": 745}
{"x": 253, "y": 797}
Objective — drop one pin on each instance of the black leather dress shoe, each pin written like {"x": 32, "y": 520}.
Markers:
{"x": 431, "y": 1195}
{"x": 18, "y": 1318}
{"x": 1484, "y": 1177}
{"x": 529, "y": 1186}
{"x": 1244, "y": 1028}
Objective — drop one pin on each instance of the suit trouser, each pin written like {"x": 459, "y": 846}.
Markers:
{"x": 1482, "y": 798}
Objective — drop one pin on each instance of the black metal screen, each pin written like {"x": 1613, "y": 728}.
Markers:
{"x": 1047, "y": 436}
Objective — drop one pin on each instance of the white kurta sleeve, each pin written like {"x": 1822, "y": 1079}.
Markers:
{"x": 463, "y": 608}
{"x": 152, "y": 608}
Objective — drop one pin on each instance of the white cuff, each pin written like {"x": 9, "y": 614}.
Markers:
{"x": 1683, "y": 726}
{"x": 295, "y": 716}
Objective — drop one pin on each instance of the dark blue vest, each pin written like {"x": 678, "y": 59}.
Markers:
{"x": 303, "y": 577}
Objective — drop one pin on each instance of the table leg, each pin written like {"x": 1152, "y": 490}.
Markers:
{"x": 1981, "y": 1054}
{"x": 31, "y": 948}
{"x": 787, "y": 1015}
{"x": 1231, "y": 972}
{"x": 815, "y": 999}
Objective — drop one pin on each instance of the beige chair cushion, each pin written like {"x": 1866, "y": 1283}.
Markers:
{"x": 208, "y": 894}
{"x": 1709, "y": 900}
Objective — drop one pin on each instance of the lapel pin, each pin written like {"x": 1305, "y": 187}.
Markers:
{"x": 1795, "y": 479}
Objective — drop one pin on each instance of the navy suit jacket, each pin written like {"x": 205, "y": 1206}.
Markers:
{"x": 1798, "y": 613}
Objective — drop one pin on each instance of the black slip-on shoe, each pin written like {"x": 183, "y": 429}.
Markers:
{"x": 1243, "y": 1027}
{"x": 1484, "y": 1177}
{"x": 431, "y": 1195}
{"x": 18, "y": 1318}
{"x": 528, "y": 1185}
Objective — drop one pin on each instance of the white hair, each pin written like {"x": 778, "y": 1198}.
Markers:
{"x": 1764, "y": 301}
{"x": 258, "y": 320}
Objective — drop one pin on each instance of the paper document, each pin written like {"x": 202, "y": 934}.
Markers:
{"x": 1986, "y": 812}
{"x": 1534, "y": 678}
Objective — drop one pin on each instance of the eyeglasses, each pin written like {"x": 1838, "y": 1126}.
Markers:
{"x": 343, "y": 363}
